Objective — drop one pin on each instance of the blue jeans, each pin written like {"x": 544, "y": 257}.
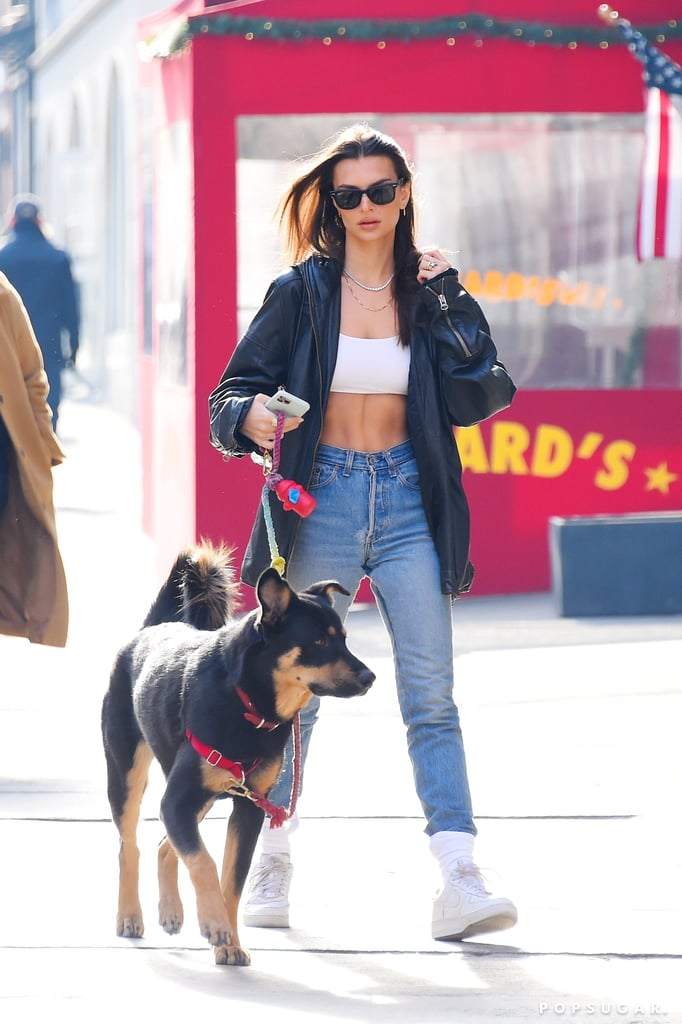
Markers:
{"x": 370, "y": 521}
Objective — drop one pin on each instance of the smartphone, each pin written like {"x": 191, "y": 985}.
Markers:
{"x": 290, "y": 405}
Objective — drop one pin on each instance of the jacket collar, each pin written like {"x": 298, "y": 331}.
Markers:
{"x": 322, "y": 279}
{"x": 322, "y": 275}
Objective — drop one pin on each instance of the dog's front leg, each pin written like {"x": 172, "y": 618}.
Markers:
{"x": 214, "y": 923}
{"x": 182, "y": 805}
{"x": 242, "y": 835}
{"x": 171, "y": 913}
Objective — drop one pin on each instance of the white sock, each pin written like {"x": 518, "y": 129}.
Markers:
{"x": 450, "y": 847}
{"x": 276, "y": 840}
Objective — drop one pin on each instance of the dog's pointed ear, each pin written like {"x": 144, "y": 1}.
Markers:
{"x": 275, "y": 596}
{"x": 326, "y": 589}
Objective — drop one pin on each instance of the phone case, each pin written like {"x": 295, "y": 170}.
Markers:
{"x": 290, "y": 405}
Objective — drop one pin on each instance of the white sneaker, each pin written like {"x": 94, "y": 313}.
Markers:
{"x": 465, "y": 907}
{"x": 267, "y": 905}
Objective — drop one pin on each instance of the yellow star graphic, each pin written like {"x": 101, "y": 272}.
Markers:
{"x": 660, "y": 478}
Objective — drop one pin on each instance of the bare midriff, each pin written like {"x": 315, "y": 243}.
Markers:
{"x": 365, "y": 423}
{"x": 370, "y": 422}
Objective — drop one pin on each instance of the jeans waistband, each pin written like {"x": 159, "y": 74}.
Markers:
{"x": 348, "y": 459}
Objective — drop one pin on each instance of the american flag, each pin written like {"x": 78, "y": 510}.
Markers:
{"x": 659, "y": 222}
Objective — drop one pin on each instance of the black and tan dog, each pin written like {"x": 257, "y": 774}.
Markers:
{"x": 213, "y": 699}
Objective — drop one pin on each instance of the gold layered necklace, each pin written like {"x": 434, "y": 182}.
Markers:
{"x": 368, "y": 287}
{"x": 370, "y": 309}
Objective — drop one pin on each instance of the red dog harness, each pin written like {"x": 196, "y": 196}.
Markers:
{"x": 278, "y": 815}
{"x": 218, "y": 760}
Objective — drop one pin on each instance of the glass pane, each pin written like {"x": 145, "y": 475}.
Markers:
{"x": 173, "y": 213}
{"x": 538, "y": 213}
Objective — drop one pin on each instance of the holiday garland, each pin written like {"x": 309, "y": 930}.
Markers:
{"x": 383, "y": 31}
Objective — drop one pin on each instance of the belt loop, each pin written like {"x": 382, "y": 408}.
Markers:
{"x": 391, "y": 463}
{"x": 350, "y": 454}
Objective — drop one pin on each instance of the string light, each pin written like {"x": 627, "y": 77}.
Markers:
{"x": 477, "y": 27}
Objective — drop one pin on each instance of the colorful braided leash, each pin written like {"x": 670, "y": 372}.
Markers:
{"x": 278, "y": 815}
{"x": 294, "y": 497}
{"x": 272, "y": 478}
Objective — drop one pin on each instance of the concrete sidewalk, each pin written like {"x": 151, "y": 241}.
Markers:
{"x": 572, "y": 733}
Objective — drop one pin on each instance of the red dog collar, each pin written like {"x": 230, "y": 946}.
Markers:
{"x": 251, "y": 715}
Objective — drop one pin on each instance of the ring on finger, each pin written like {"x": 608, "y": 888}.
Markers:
{"x": 431, "y": 264}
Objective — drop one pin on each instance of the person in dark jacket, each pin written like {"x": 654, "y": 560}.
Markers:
{"x": 377, "y": 337}
{"x": 41, "y": 273}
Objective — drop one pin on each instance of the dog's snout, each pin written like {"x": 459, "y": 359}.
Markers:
{"x": 361, "y": 681}
{"x": 365, "y": 678}
{"x": 344, "y": 681}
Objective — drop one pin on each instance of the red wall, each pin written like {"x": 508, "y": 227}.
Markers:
{"x": 564, "y": 453}
{"x": 474, "y": 75}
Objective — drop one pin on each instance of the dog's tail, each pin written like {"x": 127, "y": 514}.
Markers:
{"x": 201, "y": 589}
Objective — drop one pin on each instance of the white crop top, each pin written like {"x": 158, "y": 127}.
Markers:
{"x": 371, "y": 366}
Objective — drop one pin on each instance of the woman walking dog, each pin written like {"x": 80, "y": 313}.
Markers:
{"x": 391, "y": 352}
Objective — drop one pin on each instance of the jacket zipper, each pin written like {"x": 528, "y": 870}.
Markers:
{"x": 313, "y": 325}
{"x": 444, "y": 307}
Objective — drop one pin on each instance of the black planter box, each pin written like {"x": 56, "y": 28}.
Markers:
{"x": 617, "y": 565}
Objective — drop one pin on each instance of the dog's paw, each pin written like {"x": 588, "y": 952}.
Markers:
{"x": 130, "y": 926}
{"x": 217, "y": 933}
{"x": 232, "y": 956}
{"x": 171, "y": 916}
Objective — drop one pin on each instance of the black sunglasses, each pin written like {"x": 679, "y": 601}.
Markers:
{"x": 381, "y": 194}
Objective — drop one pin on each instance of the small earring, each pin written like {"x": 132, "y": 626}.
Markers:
{"x": 404, "y": 209}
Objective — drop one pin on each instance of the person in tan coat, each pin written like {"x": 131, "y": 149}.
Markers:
{"x": 33, "y": 592}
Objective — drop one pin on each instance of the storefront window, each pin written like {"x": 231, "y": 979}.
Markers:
{"x": 538, "y": 212}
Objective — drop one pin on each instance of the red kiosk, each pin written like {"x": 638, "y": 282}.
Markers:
{"x": 528, "y": 137}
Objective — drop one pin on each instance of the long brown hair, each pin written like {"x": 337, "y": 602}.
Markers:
{"x": 311, "y": 224}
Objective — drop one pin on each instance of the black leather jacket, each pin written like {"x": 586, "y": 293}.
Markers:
{"x": 292, "y": 342}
